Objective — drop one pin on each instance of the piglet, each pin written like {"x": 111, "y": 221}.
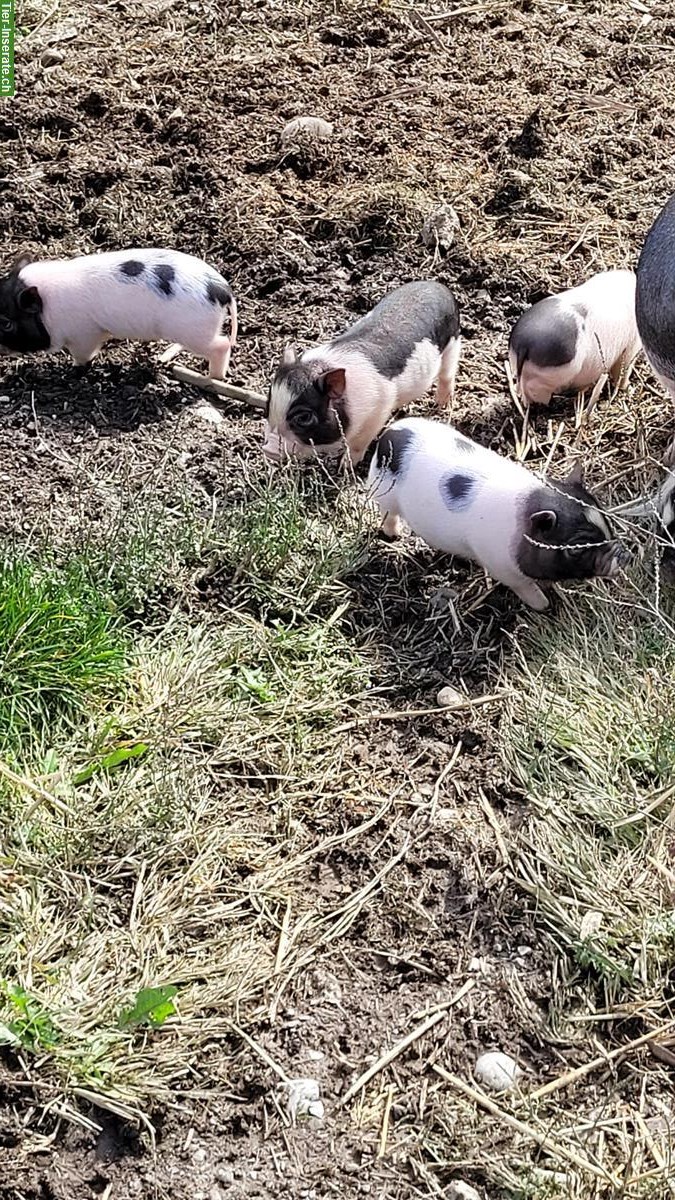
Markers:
{"x": 77, "y": 304}
{"x": 466, "y": 500}
{"x": 567, "y": 342}
{"x": 343, "y": 392}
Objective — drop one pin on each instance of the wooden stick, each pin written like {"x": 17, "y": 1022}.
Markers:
{"x": 218, "y": 387}
{"x": 170, "y": 353}
{"x": 402, "y": 713}
{"x": 408, "y": 1040}
{"x": 579, "y": 1072}
{"x": 540, "y": 1137}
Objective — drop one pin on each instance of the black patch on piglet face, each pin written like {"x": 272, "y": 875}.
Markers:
{"x": 164, "y": 276}
{"x": 22, "y": 329}
{"x": 310, "y": 402}
{"x": 131, "y": 268}
{"x": 393, "y": 450}
{"x": 563, "y": 535}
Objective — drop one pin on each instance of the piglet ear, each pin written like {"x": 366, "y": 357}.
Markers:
{"x": 576, "y": 475}
{"x": 543, "y": 522}
{"x": 333, "y": 383}
{"x": 288, "y": 356}
{"x": 19, "y": 263}
{"x": 29, "y": 300}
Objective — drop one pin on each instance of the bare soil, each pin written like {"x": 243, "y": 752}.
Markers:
{"x": 548, "y": 128}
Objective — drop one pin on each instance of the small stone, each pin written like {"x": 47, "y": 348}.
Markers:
{"x": 590, "y": 924}
{"x": 224, "y": 1175}
{"x": 497, "y": 1071}
{"x": 459, "y": 1190}
{"x": 315, "y": 1055}
{"x": 306, "y": 129}
{"x": 449, "y": 697}
{"x": 304, "y": 1099}
{"x": 208, "y": 413}
{"x": 440, "y": 227}
{"x": 52, "y": 57}
{"x": 199, "y": 1157}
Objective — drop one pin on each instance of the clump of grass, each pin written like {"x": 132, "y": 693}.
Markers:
{"x": 61, "y": 644}
{"x": 590, "y": 736}
{"x": 294, "y": 538}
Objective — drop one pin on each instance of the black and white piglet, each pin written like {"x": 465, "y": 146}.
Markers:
{"x": 568, "y": 341}
{"x": 146, "y": 295}
{"x": 464, "y": 499}
{"x": 343, "y": 392}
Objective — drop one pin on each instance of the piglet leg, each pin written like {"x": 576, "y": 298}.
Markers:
{"x": 391, "y": 526}
{"x": 529, "y": 592}
{"x": 445, "y": 389}
{"x": 219, "y": 357}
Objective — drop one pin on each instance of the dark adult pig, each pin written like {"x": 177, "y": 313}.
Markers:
{"x": 343, "y": 392}
{"x": 568, "y": 341}
{"x": 467, "y": 500}
{"x": 77, "y": 304}
{"x": 655, "y": 301}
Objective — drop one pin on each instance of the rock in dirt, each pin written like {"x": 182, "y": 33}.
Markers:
{"x": 304, "y": 1099}
{"x": 306, "y": 131}
{"x": 449, "y": 697}
{"x": 52, "y": 57}
{"x": 459, "y": 1190}
{"x": 497, "y": 1071}
{"x": 440, "y": 227}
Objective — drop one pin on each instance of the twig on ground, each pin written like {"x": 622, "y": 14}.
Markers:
{"x": 541, "y": 1137}
{"x": 579, "y": 1072}
{"x": 401, "y": 714}
{"x": 384, "y": 1131}
{"x": 414, "y": 1035}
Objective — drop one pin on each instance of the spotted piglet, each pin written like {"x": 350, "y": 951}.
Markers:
{"x": 342, "y": 393}
{"x": 78, "y": 304}
{"x": 567, "y": 342}
{"x": 466, "y": 500}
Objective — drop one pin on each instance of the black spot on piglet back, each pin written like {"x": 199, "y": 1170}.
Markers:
{"x": 393, "y": 449}
{"x": 457, "y": 491}
{"x": 165, "y": 275}
{"x": 131, "y": 268}
{"x": 216, "y": 293}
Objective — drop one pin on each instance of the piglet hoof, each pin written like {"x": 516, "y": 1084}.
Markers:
{"x": 532, "y": 595}
{"x": 390, "y": 530}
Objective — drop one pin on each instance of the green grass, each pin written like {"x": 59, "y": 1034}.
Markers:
{"x": 61, "y": 646}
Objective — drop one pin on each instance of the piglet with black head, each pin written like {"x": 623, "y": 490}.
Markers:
{"x": 466, "y": 500}
{"x": 567, "y": 342}
{"x": 144, "y": 295}
{"x": 340, "y": 394}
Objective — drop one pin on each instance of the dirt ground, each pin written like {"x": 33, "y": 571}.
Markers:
{"x": 548, "y": 128}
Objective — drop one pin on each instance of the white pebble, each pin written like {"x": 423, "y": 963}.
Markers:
{"x": 497, "y": 1071}
{"x": 304, "y": 1099}
{"x": 459, "y": 1190}
{"x": 313, "y": 129}
{"x": 449, "y": 697}
{"x": 440, "y": 227}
